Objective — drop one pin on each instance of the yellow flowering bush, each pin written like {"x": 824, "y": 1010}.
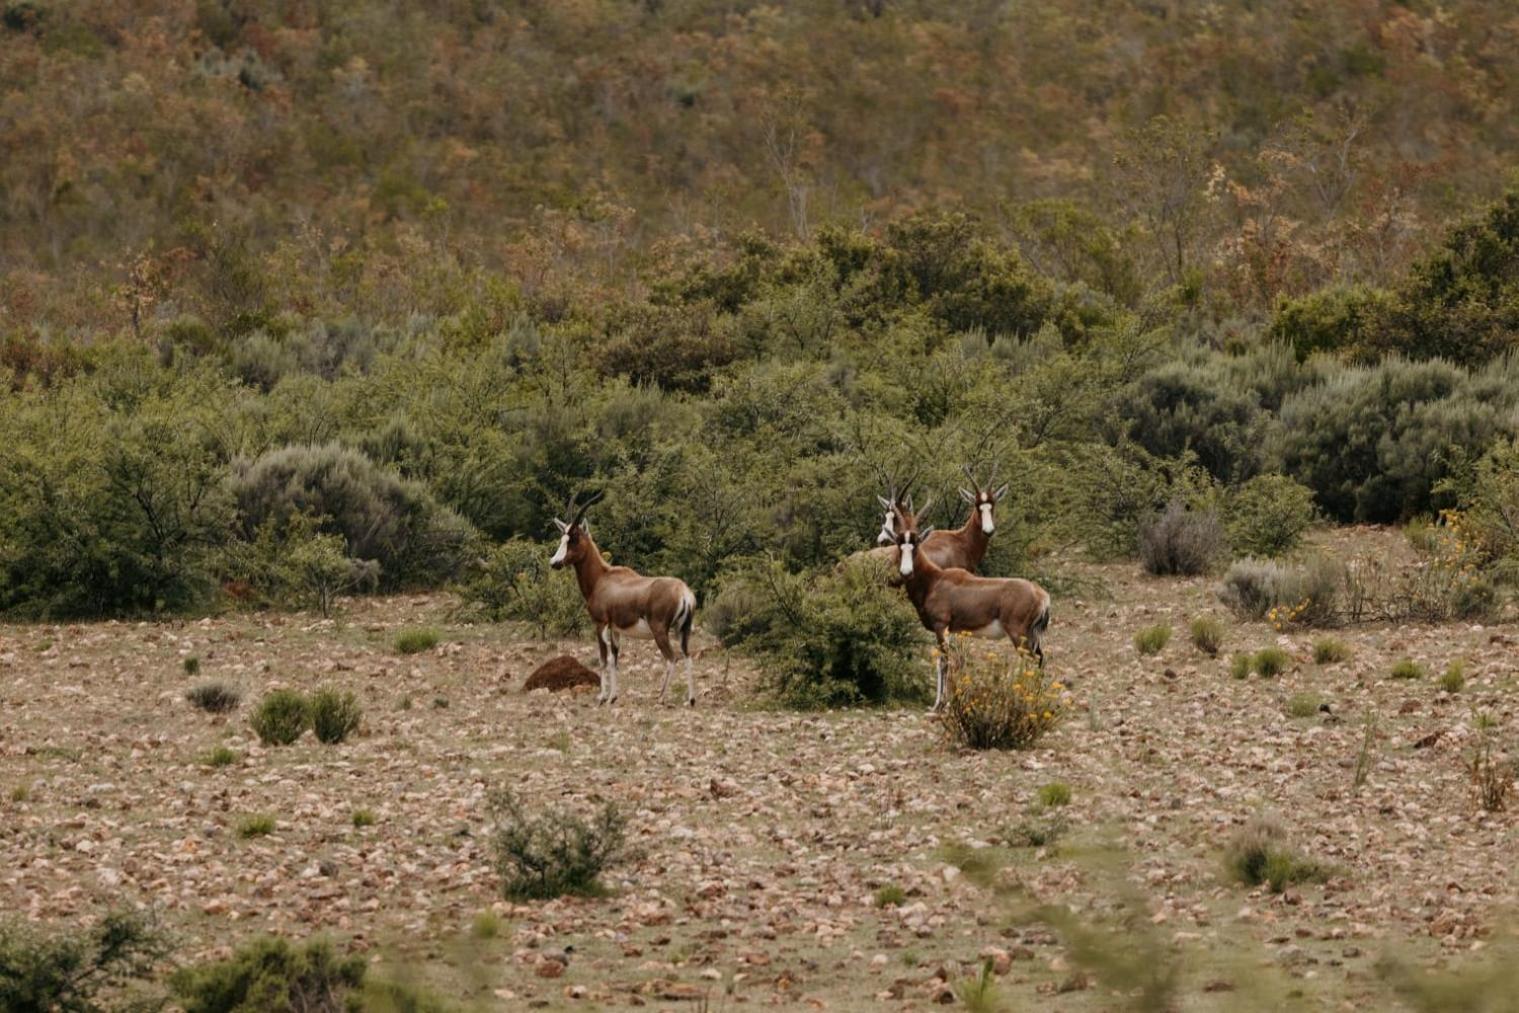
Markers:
{"x": 998, "y": 699}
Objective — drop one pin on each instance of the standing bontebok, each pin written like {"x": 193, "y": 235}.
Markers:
{"x": 956, "y": 601}
{"x": 624, "y": 603}
{"x": 963, "y": 547}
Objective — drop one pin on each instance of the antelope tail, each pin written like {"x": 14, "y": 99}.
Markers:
{"x": 685, "y": 616}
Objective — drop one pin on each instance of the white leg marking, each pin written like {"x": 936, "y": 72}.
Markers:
{"x": 664, "y": 685}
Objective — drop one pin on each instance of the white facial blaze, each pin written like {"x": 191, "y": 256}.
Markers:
{"x": 987, "y": 525}
{"x": 564, "y": 546}
{"x": 906, "y": 564}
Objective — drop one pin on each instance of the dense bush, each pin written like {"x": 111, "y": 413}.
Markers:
{"x": 513, "y": 582}
{"x": 270, "y": 973}
{"x": 334, "y": 715}
{"x": 281, "y": 717}
{"x": 74, "y": 972}
{"x": 1179, "y": 407}
{"x": 557, "y": 853}
{"x": 1337, "y": 320}
{"x": 381, "y": 517}
{"x": 214, "y": 697}
{"x": 1181, "y": 541}
{"x": 1267, "y": 516}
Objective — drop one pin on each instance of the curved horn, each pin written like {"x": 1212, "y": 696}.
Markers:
{"x": 928, "y": 505}
{"x": 590, "y": 500}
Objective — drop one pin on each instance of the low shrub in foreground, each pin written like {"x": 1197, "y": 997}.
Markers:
{"x": 1270, "y": 662}
{"x": 1259, "y": 853}
{"x": 1407, "y": 668}
{"x": 1330, "y": 651}
{"x": 221, "y": 756}
{"x": 1056, "y": 793}
{"x": 281, "y": 717}
{"x": 214, "y": 697}
{"x": 270, "y": 973}
{"x": 557, "y": 853}
{"x": 1152, "y": 639}
{"x": 66, "y": 971}
{"x": 890, "y": 895}
{"x": 334, "y": 715}
{"x": 998, "y": 700}
{"x": 416, "y": 641}
{"x": 1207, "y": 635}
{"x": 1181, "y": 541}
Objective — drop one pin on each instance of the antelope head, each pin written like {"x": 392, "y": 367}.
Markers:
{"x": 983, "y": 498}
{"x": 895, "y": 502}
{"x": 908, "y": 541}
{"x": 574, "y": 534}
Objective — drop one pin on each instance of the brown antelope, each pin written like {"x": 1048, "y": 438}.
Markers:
{"x": 953, "y": 600}
{"x": 965, "y": 546}
{"x": 624, "y": 603}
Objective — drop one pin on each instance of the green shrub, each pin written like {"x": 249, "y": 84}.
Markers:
{"x": 281, "y": 717}
{"x": 271, "y": 973}
{"x": 512, "y": 582}
{"x": 416, "y": 641}
{"x": 334, "y": 715}
{"x": 214, "y": 697}
{"x": 259, "y": 825}
{"x": 191, "y": 665}
{"x": 381, "y": 518}
{"x": 1267, "y": 516}
{"x": 1241, "y": 665}
{"x": 486, "y": 925}
{"x": 1334, "y": 319}
{"x": 1330, "y": 651}
{"x": 1406, "y": 668}
{"x": 1259, "y": 853}
{"x": 75, "y": 972}
{"x": 890, "y": 895}
{"x": 554, "y": 854}
{"x": 1181, "y": 541}
{"x": 1183, "y": 406}
{"x": 1056, "y": 793}
{"x": 1207, "y": 635}
{"x": 1270, "y": 662}
{"x": 1285, "y": 594}
{"x": 996, "y": 700}
{"x": 221, "y": 756}
{"x": 1152, "y": 639}
{"x": 981, "y": 993}
{"x": 363, "y": 818}
{"x": 1453, "y": 679}
{"x": 837, "y": 640}
{"x": 1304, "y": 705}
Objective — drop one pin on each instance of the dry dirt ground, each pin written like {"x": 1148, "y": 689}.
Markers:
{"x": 765, "y": 836}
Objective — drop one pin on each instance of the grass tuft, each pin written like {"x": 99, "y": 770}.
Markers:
{"x": 221, "y": 756}
{"x": 281, "y": 717}
{"x": 334, "y": 715}
{"x": 363, "y": 818}
{"x": 258, "y": 825}
{"x": 1054, "y": 794}
{"x": 1453, "y": 680}
{"x": 214, "y": 697}
{"x": 1270, "y": 662}
{"x": 416, "y": 641}
{"x": 192, "y": 665}
{"x": 890, "y": 895}
{"x": 1207, "y": 635}
{"x": 1152, "y": 639}
{"x": 1259, "y": 853}
{"x": 1330, "y": 651}
{"x": 1304, "y": 705}
{"x": 1407, "y": 668}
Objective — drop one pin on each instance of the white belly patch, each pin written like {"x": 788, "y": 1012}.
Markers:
{"x": 991, "y": 631}
{"x": 638, "y": 631}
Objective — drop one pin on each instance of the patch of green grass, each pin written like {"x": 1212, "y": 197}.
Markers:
{"x": 363, "y": 818}
{"x": 69, "y": 753}
{"x": 911, "y": 958}
{"x": 404, "y": 703}
{"x": 214, "y": 697}
{"x": 487, "y": 925}
{"x": 21, "y": 793}
{"x": 1259, "y": 853}
{"x": 1270, "y": 662}
{"x": 1037, "y": 831}
{"x": 980, "y": 993}
{"x": 258, "y": 825}
{"x": 1207, "y": 635}
{"x": 890, "y": 895}
{"x": 1152, "y": 639}
{"x": 440, "y": 703}
{"x": 1330, "y": 651}
{"x": 282, "y": 717}
{"x": 1304, "y": 705}
{"x": 221, "y": 756}
{"x": 1240, "y": 665}
{"x": 334, "y": 715}
{"x": 1406, "y": 668}
{"x": 192, "y": 665}
{"x": 560, "y": 740}
{"x": 416, "y": 641}
{"x": 1453, "y": 680}
{"x": 1056, "y": 793}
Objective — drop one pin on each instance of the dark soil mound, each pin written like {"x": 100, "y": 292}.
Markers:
{"x": 563, "y": 672}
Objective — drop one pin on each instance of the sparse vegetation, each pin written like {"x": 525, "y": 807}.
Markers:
{"x": 1406, "y": 668}
{"x": 1270, "y": 662}
{"x": 1304, "y": 705}
{"x": 221, "y": 756}
{"x": 214, "y": 697}
{"x": 191, "y": 665}
{"x": 553, "y": 854}
{"x": 486, "y": 925}
{"x": 890, "y": 895}
{"x": 1366, "y": 754}
{"x": 1241, "y": 665}
{"x": 257, "y": 825}
{"x": 416, "y": 641}
{"x": 1259, "y": 853}
{"x": 281, "y": 717}
{"x": 1453, "y": 679}
{"x": 1207, "y": 635}
{"x": 271, "y": 973}
{"x": 75, "y": 972}
{"x": 334, "y": 715}
{"x": 998, "y": 700}
{"x": 1181, "y": 542}
{"x": 362, "y": 818}
{"x": 1267, "y": 516}
{"x": 980, "y": 993}
{"x": 1492, "y": 773}
{"x": 1053, "y": 795}
{"x": 1330, "y": 651}
{"x": 1152, "y": 639}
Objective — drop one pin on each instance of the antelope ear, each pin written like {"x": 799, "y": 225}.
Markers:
{"x": 925, "y": 531}
{"x": 563, "y": 527}
{"x": 967, "y": 495}
{"x": 885, "y": 502}
{"x": 1002, "y": 491}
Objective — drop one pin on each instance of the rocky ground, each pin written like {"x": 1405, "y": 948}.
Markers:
{"x": 784, "y": 859}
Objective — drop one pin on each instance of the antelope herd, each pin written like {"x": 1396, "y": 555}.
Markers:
{"x": 936, "y": 569}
